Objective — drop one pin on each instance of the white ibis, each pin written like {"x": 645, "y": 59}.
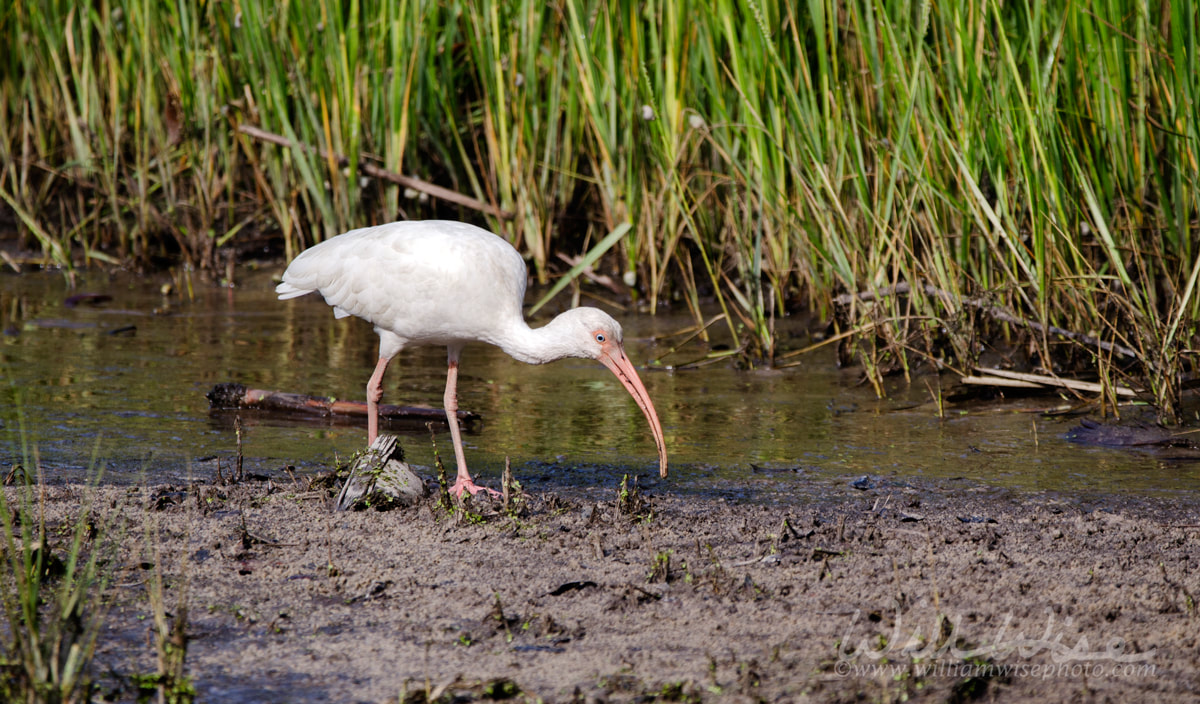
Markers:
{"x": 450, "y": 283}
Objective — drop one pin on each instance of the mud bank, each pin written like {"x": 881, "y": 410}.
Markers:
{"x": 939, "y": 593}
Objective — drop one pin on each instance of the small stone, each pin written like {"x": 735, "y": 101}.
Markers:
{"x": 380, "y": 478}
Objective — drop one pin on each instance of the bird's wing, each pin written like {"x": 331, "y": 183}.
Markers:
{"x": 424, "y": 281}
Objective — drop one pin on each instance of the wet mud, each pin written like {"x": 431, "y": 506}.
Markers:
{"x": 867, "y": 592}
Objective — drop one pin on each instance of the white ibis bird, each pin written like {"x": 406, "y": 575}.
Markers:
{"x": 450, "y": 283}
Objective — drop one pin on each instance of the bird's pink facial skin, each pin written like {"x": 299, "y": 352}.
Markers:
{"x": 613, "y": 356}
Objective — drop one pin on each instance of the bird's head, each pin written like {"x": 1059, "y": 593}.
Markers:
{"x": 593, "y": 334}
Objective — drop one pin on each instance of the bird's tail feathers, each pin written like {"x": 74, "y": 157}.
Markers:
{"x": 286, "y": 291}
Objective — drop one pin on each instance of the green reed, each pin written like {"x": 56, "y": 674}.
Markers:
{"x": 52, "y": 582}
{"x": 1037, "y": 158}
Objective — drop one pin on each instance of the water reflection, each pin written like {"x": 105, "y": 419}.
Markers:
{"x": 124, "y": 381}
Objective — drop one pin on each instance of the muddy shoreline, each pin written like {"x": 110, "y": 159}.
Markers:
{"x": 893, "y": 592}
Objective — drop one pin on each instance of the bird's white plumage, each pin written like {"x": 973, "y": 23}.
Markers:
{"x": 448, "y": 283}
{"x": 430, "y": 282}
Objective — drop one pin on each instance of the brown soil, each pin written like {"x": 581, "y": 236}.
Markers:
{"x": 836, "y": 597}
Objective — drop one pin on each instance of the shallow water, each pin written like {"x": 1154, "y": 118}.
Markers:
{"x": 122, "y": 383}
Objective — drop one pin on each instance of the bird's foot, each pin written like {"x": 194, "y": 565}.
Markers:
{"x": 467, "y": 485}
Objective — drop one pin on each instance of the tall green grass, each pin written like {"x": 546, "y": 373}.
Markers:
{"x": 52, "y": 607}
{"x": 1037, "y": 158}
{"x": 52, "y": 580}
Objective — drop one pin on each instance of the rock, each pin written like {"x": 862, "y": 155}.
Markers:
{"x": 380, "y": 478}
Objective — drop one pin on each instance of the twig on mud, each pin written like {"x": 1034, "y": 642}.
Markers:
{"x": 504, "y": 480}
{"x": 331, "y": 570}
{"x": 937, "y": 597}
{"x": 249, "y": 539}
{"x": 310, "y": 496}
{"x": 824, "y": 567}
{"x": 268, "y": 543}
{"x": 768, "y": 559}
{"x": 237, "y": 428}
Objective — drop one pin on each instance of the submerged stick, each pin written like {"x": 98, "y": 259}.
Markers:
{"x": 231, "y": 396}
{"x": 383, "y": 174}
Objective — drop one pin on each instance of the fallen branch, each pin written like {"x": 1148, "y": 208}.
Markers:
{"x": 233, "y": 396}
{"x": 972, "y": 380}
{"x": 1004, "y": 377}
{"x": 380, "y": 173}
{"x": 994, "y": 311}
{"x": 590, "y": 273}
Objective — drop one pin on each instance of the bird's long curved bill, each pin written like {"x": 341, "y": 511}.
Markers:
{"x": 619, "y": 364}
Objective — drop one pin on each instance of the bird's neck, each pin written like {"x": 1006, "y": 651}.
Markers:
{"x": 536, "y": 345}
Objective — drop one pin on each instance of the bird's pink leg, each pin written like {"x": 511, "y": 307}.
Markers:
{"x": 463, "y": 482}
{"x": 374, "y": 394}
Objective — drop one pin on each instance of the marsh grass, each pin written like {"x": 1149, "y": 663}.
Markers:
{"x": 52, "y": 583}
{"x": 169, "y": 684}
{"x": 54, "y": 575}
{"x": 755, "y": 154}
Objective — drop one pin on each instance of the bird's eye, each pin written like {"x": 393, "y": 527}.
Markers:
{"x": 600, "y": 337}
